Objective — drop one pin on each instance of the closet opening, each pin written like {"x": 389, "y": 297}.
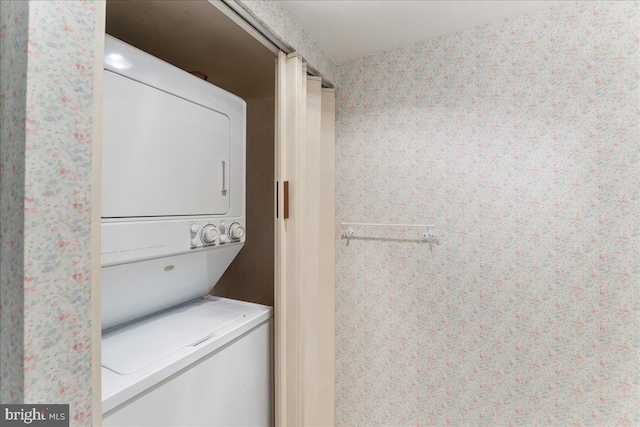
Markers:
{"x": 196, "y": 36}
{"x": 233, "y": 340}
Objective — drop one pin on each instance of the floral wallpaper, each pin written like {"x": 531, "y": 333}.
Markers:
{"x": 273, "y": 16}
{"x": 53, "y": 154}
{"x": 519, "y": 141}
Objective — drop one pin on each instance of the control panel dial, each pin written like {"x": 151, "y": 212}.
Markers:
{"x": 209, "y": 234}
{"x": 236, "y": 231}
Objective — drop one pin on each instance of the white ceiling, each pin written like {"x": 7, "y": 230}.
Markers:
{"x": 347, "y": 30}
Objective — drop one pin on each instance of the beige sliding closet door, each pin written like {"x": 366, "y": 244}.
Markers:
{"x": 304, "y": 295}
{"x": 327, "y": 260}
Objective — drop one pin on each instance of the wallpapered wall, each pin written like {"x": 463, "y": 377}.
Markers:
{"x": 519, "y": 140}
{"x": 47, "y": 222}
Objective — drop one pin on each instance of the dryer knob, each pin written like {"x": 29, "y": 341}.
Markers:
{"x": 236, "y": 231}
{"x": 209, "y": 233}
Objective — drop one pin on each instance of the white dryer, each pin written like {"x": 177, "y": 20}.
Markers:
{"x": 173, "y": 219}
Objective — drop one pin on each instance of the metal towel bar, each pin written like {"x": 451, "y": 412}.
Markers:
{"x": 373, "y": 224}
{"x": 427, "y": 236}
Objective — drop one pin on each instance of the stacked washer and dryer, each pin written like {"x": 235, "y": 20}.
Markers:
{"x": 173, "y": 219}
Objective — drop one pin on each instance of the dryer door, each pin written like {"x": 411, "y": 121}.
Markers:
{"x": 162, "y": 155}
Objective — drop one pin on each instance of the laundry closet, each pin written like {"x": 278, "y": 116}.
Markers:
{"x": 199, "y": 38}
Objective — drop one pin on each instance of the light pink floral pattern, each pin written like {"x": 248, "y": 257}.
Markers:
{"x": 519, "y": 140}
{"x": 54, "y": 157}
{"x": 276, "y": 19}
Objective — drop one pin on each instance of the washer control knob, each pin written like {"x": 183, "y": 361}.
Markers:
{"x": 194, "y": 243}
{"x": 209, "y": 233}
{"x": 236, "y": 231}
{"x": 224, "y": 238}
{"x": 194, "y": 228}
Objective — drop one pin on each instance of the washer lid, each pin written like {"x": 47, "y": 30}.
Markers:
{"x": 134, "y": 346}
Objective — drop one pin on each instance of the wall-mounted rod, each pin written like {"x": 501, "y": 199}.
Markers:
{"x": 427, "y": 235}
{"x": 371, "y": 224}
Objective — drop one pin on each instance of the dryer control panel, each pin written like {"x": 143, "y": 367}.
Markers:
{"x": 127, "y": 241}
{"x": 211, "y": 233}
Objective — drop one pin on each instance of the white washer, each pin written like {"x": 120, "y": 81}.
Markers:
{"x": 205, "y": 363}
